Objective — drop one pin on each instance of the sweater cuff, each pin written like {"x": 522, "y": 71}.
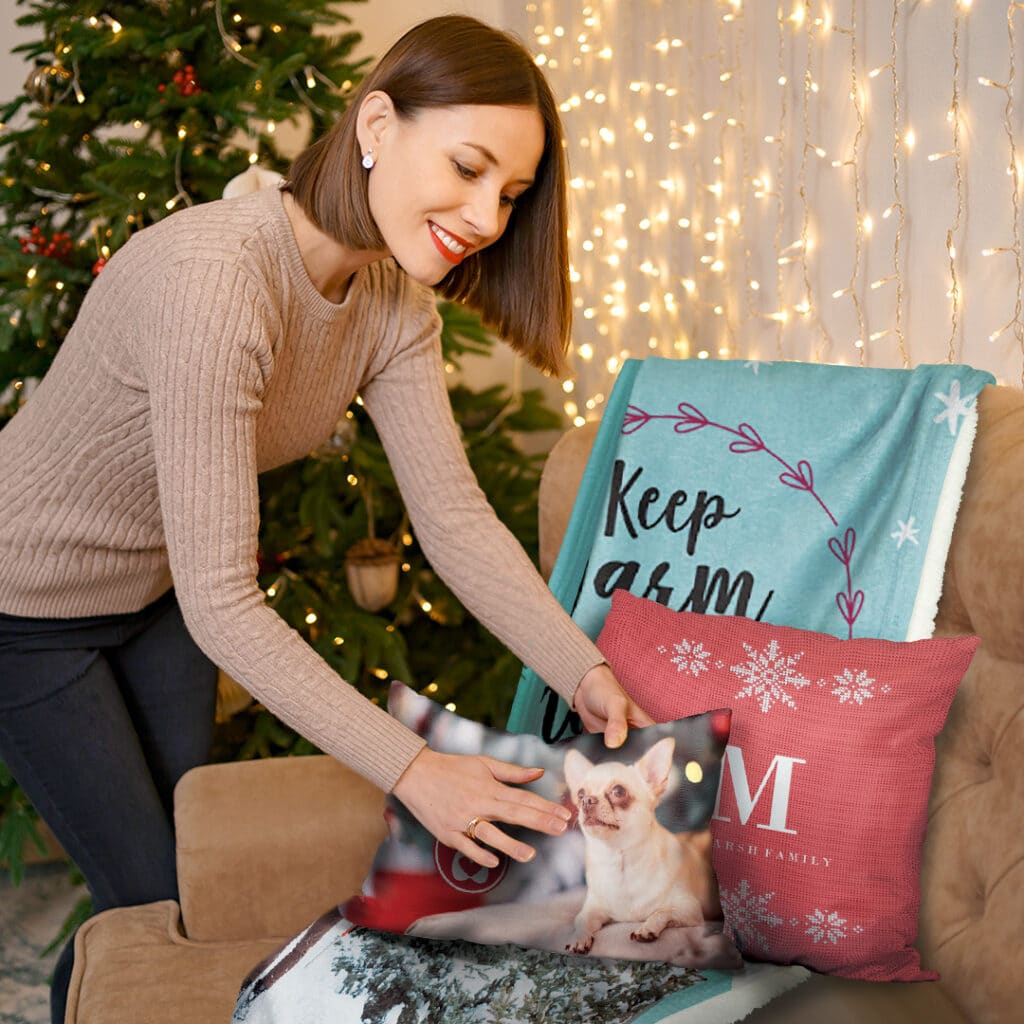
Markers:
{"x": 573, "y": 661}
{"x": 385, "y": 750}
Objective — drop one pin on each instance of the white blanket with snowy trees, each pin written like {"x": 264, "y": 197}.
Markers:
{"x": 338, "y": 973}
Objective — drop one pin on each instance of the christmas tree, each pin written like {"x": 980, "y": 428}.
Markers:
{"x": 135, "y": 110}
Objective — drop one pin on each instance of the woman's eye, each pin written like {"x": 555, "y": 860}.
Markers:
{"x": 463, "y": 171}
{"x": 508, "y": 201}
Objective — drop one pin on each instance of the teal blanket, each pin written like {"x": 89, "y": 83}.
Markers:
{"x": 805, "y": 495}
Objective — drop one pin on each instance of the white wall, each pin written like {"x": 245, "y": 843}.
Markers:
{"x": 13, "y": 68}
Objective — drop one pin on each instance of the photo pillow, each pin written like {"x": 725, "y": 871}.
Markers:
{"x": 644, "y": 806}
{"x": 822, "y": 809}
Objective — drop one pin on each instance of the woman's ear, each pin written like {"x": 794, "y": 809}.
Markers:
{"x": 376, "y": 114}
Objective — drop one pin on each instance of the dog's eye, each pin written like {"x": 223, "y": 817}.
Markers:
{"x": 581, "y": 794}
{"x": 618, "y": 792}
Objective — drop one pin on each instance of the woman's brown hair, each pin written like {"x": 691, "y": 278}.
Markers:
{"x": 520, "y": 284}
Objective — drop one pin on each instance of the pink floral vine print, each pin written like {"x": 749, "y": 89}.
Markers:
{"x": 799, "y": 477}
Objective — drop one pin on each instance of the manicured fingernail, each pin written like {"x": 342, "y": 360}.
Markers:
{"x": 562, "y": 825}
{"x": 564, "y": 812}
{"x": 525, "y": 855}
{"x": 490, "y": 862}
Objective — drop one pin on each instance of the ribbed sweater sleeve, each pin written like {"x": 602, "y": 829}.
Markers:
{"x": 459, "y": 532}
{"x": 207, "y": 361}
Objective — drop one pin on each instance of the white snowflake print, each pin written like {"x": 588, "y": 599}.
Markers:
{"x": 855, "y": 686}
{"x": 828, "y": 926}
{"x": 955, "y": 406}
{"x": 907, "y": 531}
{"x": 747, "y": 913}
{"x": 691, "y": 657}
{"x": 768, "y": 674}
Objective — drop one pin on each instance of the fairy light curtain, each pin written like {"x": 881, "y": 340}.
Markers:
{"x": 835, "y": 181}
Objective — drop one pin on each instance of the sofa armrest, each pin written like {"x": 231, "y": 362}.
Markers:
{"x": 265, "y": 847}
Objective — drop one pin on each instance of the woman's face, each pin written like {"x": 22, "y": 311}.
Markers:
{"x": 445, "y": 180}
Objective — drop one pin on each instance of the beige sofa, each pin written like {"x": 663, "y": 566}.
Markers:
{"x": 265, "y": 847}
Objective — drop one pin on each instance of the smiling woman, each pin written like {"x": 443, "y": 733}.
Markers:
{"x": 224, "y": 341}
{"x": 437, "y": 70}
{"x": 451, "y": 174}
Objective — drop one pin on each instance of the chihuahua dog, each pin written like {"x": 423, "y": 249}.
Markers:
{"x": 636, "y": 870}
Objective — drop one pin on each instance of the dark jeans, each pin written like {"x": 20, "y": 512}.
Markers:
{"x": 99, "y": 718}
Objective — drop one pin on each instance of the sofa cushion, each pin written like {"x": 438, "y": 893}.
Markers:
{"x": 844, "y": 1001}
{"x": 653, "y": 796}
{"x": 973, "y": 873}
{"x": 241, "y": 872}
{"x": 134, "y": 964}
{"x": 819, "y": 826}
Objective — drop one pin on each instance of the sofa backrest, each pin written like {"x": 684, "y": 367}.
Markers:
{"x": 973, "y": 876}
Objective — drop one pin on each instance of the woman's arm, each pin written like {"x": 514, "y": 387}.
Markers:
{"x": 466, "y": 543}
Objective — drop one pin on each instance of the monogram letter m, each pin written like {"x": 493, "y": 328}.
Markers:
{"x": 782, "y": 767}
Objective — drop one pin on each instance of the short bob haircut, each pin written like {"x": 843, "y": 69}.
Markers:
{"x": 520, "y": 284}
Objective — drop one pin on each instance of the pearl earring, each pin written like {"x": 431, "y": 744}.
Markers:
{"x": 369, "y": 160}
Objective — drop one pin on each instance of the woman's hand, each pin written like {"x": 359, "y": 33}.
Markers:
{"x": 446, "y": 792}
{"x": 603, "y": 706}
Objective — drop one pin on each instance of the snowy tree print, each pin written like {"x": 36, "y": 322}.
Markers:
{"x": 428, "y": 980}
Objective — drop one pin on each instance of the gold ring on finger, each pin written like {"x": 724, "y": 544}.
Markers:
{"x": 470, "y": 830}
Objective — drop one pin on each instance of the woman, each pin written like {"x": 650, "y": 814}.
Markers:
{"x": 224, "y": 341}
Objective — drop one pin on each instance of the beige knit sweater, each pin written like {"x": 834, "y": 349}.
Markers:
{"x": 202, "y": 356}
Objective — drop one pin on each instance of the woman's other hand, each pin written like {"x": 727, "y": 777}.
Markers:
{"x": 445, "y": 792}
{"x": 603, "y": 706}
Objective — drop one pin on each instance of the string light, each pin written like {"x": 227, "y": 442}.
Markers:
{"x": 682, "y": 195}
{"x": 954, "y": 117}
{"x": 1014, "y": 171}
{"x": 908, "y": 138}
{"x": 863, "y": 222}
{"x": 802, "y": 188}
{"x": 780, "y": 165}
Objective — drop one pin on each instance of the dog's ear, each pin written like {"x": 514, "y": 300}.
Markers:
{"x": 656, "y": 764}
{"x": 576, "y": 768}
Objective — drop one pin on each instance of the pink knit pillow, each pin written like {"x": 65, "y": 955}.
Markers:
{"x": 823, "y": 797}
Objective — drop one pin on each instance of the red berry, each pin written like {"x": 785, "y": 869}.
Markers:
{"x": 161, "y": 87}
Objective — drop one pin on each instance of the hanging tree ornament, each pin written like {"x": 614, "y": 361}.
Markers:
{"x": 371, "y": 571}
{"x": 371, "y": 565}
{"x": 38, "y": 243}
{"x": 48, "y": 84}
